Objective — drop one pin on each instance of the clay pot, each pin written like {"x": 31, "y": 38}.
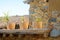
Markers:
{"x": 38, "y": 25}
{"x": 25, "y": 25}
{"x": 11, "y": 26}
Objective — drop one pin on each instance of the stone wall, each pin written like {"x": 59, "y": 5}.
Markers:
{"x": 54, "y": 11}
{"x": 45, "y": 11}
{"x": 39, "y": 12}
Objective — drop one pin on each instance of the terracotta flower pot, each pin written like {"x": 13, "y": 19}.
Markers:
{"x": 38, "y": 25}
{"x": 25, "y": 25}
{"x": 11, "y": 26}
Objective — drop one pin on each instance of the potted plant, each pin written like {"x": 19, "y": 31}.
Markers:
{"x": 38, "y": 23}
{"x": 6, "y": 18}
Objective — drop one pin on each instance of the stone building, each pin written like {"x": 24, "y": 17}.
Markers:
{"x": 43, "y": 12}
{"x": 38, "y": 13}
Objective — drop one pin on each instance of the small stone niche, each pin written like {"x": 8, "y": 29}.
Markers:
{"x": 47, "y": 0}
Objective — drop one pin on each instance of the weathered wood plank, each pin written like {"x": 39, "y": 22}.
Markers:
{"x": 28, "y": 31}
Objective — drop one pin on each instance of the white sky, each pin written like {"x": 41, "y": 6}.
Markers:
{"x": 14, "y": 7}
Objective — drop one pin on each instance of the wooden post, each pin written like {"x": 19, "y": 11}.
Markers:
{"x": 46, "y": 34}
{"x": 4, "y": 35}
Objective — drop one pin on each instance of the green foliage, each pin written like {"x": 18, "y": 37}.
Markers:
{"x": 0, "y": 19}
{"x": 38, "y": 19}
{"x": 22, "y": 18}
{"x": 6, "y": 17}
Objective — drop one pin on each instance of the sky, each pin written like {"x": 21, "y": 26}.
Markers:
{"x": 14, "y": 7}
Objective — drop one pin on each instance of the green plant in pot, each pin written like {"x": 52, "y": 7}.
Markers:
{"x": 6, "y": 18}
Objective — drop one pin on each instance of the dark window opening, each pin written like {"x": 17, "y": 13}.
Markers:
{"x": 47, "y": 0}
